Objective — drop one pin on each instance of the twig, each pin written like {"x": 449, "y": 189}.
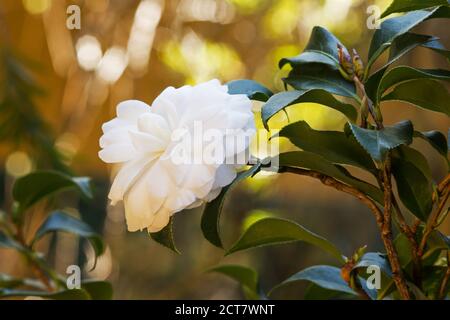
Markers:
{"x": 369, "y": 103}
{"x": 445, "y": 280}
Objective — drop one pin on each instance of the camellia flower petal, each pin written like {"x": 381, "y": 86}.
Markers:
{"x": 177, "y": 153}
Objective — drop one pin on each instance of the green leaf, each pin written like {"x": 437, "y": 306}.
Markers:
{"x": 403, "y": 74}
{"x": 335, "y": 146}
{"x": 165, "y": 237}
{"x": 72, "y": 294}
{"x": 60, "y": 221}
{"x": 271, "y": 231}
{"x": 410, "y": 5}
{"x": 38, "y": 185}
{"x": 378, "y": 142}
{"x": 320, "y": 76}
{"x": 311, "y": 161}
{"x": 315, "y": 292}
{"x": 394, "y": 27}
{"x": 282, "y": 100}
{"x": 210, "y": 222}
{"x": 246, "y": 277}
{"x": 424, "y": 93}
{"x": 98, "y": 290}
{"x": 326, "y": 277}
{"x": 8, "y": 242}
{"x": 413, "y": 181}
{"x": 435, "y": 45}
{"x": 252, "y": 89}
{"x": 321, "y": 48}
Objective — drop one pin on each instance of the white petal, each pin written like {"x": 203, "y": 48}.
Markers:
{"x": 130, "y": 110}
{"x": 162, "y": 218}
{"x": 117, "y": 153}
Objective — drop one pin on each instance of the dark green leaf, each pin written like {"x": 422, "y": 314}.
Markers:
{"x": 40, "y": 184}
{"x": 98, "y": 290}
{"x": 402, "y": 74}
{"x": 165, "y": 237}
{"x": 247, "y": 277}
{"x": 311, "y": 161}
{"x": 210, "y": 223}
{"x": 413, "y": 175}
{"x": 321, "y": 48}
{"x": 60, "y": 221}
{"x": 252, "y": 89}
{"x": 424, "y": 93}
{"x": 435, "y": 45}
{"x": 320, "y": 76}
{"x": 271, "y": 231}
{"x": 73, "y": 294}
{"x": 327, "y": 277}
{"x": 282, "y": 100}
{"x": 378, "y": 142}
{"x": 394, "y": 27}
{"x": 335, "y": 146}
{"x": 410, "y": 5}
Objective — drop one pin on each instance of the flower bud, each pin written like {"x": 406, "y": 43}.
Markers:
{"x": 345, "y": 62}
{"x": 358, "y": 65}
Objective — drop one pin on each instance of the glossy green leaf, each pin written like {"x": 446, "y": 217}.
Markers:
{"x": 246, "y": 277}
{"x": 60, "y": 221}
{"x": 410, "y": 5}
{"x": 271, "y": 231}
{"x": 165, "y": 237}
{"x": 321, "y": 48}
{"x": 210, "y": 222}
{"x": 327, "y": 277}
{"x": 40, "y": 184}
{"x": 424, "y": 93}
{"x": 435, "y": 45}
{"x": 252, "y": 89}
{"x": 320, "y": 76}
{"x": 403, "y": 74}
{"x": 392, "y": 28}
{"x": 378, "y": 142}
{"x": 335, "y": 146}
{"x": 281, "y": 100}
{"x": 315, "y": 162}
{"x": 98, "y": 290}
{"x": 414, "y": 184}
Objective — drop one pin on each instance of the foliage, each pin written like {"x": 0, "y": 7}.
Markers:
{"x": 416, "y": 263}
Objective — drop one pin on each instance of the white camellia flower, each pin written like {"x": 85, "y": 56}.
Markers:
{"x": 153, "y": 180}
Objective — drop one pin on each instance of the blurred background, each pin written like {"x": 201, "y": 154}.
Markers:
{"x": 57, "y": 86}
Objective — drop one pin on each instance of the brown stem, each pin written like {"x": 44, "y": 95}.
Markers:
{"x": 432, "y": 221}
{"x": 386, "y": 233}
{"x": 443, "y": 184}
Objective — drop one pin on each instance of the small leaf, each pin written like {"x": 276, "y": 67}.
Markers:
{"x": 334, "y": 146}
{"x": 413, "y": 179}
{"x": 327, "y": 277}
{"x": 378, "y": 142}
{"x": 319, "y": 76}
{"x": 424, "y": 93}
{"x": 410, "y": 5}
{"x": 281, "y": 100}
{"x": 60, "y": 221}
{"x": 247, "y": 277}
{"x": 98, "y": 290}
{"x": 321, "y": 48}
{"x": 165, "y": 237}
{"x": 210, "y": 222}
{"x": 252, "y": 89}
{"x": 271, "y": 231}
{"x": 35, "y": 186}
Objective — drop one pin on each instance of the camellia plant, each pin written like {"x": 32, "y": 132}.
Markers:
{"x": 415, "y": 264}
